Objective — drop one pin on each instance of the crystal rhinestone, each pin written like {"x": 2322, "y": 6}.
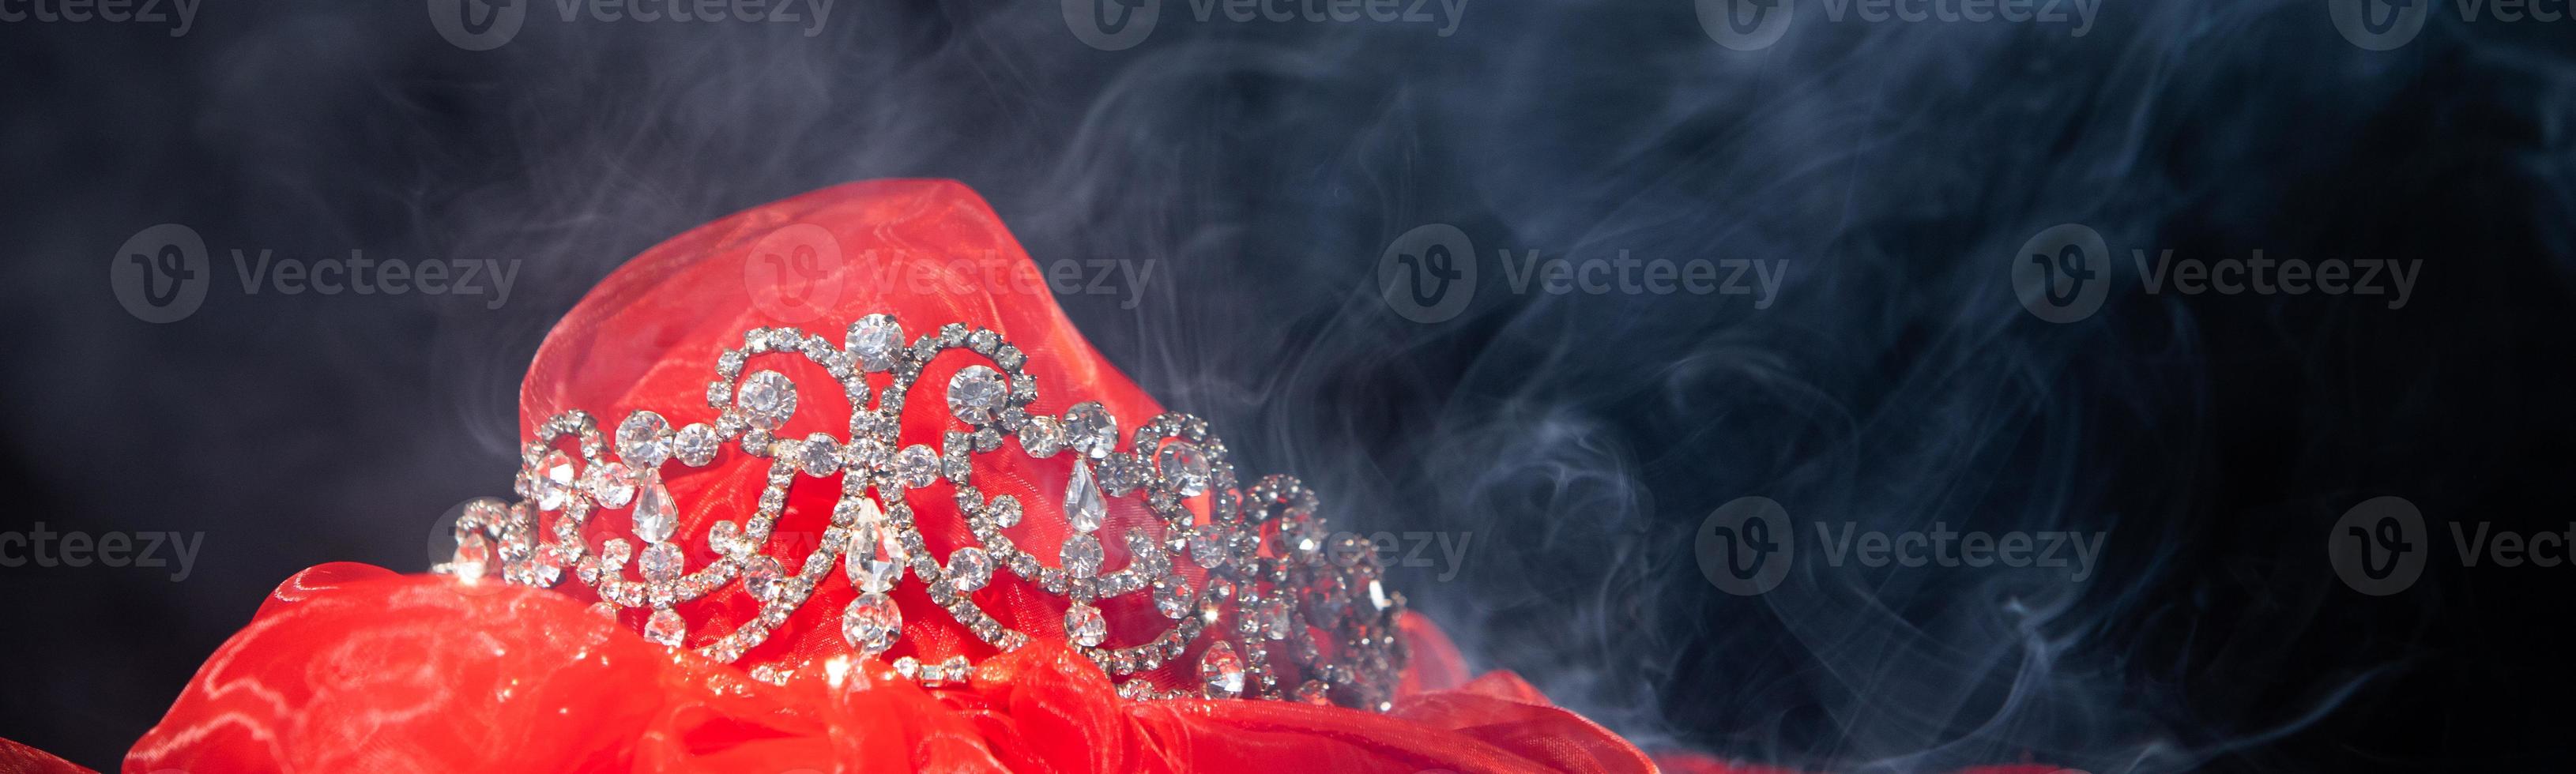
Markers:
{"x": 1090, "y": 430}
{"x": 762, "y": 577}
{"x": 1207, "y": 547}
{"x": 875, "y": 564}
{"x": 1220, "y": 672}
{"x": 1005, "y": 511}
{"x": 856, "y": 511}
{"x": 655, "y": 515}
{"x": 1121, "y": 474}
{"x": 975, "y": 394}
{"x": 546, "y": 567}
{"x": 554, "y": 481}
{"x": 696, "y": 444}
{"x": 616, "y": 552}
{"x": 969, "y": 569}
{"x": 875, "y": 339}
{"x": 1083, "y": 506}
{"x": 1274, "y": 620}
{"x": 516, "y": 545}
{"x": 872, "y": 623}
{"x": 916, "y": 465}
{"x": 1184, "y": 467}
{"x": 661, "y": 562}
{"x": 1042, "y": 437}
{"x": 821, "y": 455}
{"x": 767, "y": 399}
{"x": 1081, "y": 556}
{"x": 611, "y": 484}
{"x": 1084, "y": 625}
{"x": 643, "y": 440}
{"x": 1314, "y": 692}
{"x": 1172, "y": 599}
{"x": 666, "y": 628}
{"x": 473, "y": 555}
{"x": 727, "y": 538}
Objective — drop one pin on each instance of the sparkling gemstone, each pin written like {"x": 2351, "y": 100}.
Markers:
{"x": 762, "y": 578}
{"x": 1084, "y": 625}
{"x": 554, "y": 481}
{"x": 1378, "y": 598}
{"x": 1221, "y": 672}
{"x": 767, "y": 399}
{"x": 821, "y": 455}
{"x": 1083, "y": 506}
{"x": 875, "y": 339}
{"x": 1207, "y": 546}
{"x": 643, "y": 440}
{"x": 875, "y": 563}
{"x": 872, "y": 623}
{"x": 1042, "y": 437}
{"x": 1184, "y": 467}
{"x": 975, "y": 394}
{"x": 611, "y": 484}
{"x": 546, "y": 567}
{"x": 1274, "y": 620}
{"x": 917, "y": 465}
{"x": 655, "y": 515}
{"x": 1121, "y": 474}
{"x": 665, "y": 627}
{"x": 616, "y": 552}
{"x": 661, "y": 562}
{"x": 1081, "y": 556}
{"x": 1172, "y": 599}
{"x": 1006, "y": 511}
{"x": 969, "y": 569}
{"x": 727, "y": 538}
{"x": 473, "y": 555}
{"x": 1090, "y": 430}
{"x": 696, "y": 444}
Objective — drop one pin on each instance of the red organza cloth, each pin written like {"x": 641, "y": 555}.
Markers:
{"x": 352, "y": 668}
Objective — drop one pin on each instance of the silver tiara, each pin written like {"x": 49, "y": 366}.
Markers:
{"x": 1277, "y": 583}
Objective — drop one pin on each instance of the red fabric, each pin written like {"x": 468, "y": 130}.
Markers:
{"x": 352, "y": 668}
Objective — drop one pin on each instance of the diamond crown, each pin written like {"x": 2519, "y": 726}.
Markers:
{"x": 1276, "y": 586}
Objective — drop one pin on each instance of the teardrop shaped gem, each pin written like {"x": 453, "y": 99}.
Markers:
{"x": 1083, "y": 506}
{"x": 655, "y": 515}
{"x": 1221, "y": 672}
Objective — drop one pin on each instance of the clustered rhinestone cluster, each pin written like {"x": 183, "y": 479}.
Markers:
{"x": 1271, "y": 580}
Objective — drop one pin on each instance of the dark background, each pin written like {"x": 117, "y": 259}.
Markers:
{"x": 1577, "y": 440}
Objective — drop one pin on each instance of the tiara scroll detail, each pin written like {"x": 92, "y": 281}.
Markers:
{"x": 1273, "y": 587}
